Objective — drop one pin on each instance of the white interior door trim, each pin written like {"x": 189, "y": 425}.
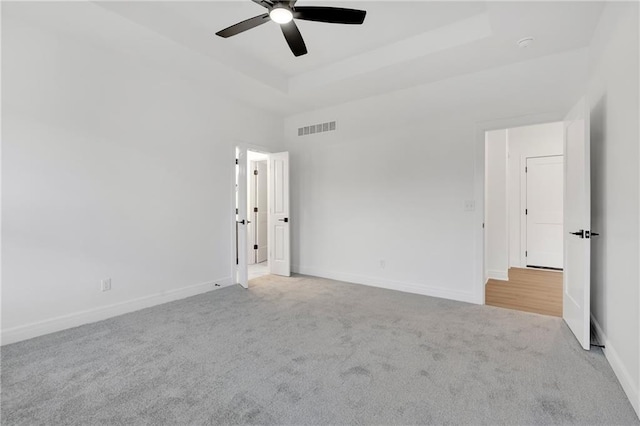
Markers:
{"x": 523, "y": 216}
{"x": 239, "y": 270}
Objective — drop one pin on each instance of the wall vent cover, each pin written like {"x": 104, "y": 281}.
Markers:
{"x": 317, "y": 128}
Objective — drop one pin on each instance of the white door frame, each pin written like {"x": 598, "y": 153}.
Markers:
{"x": 235, "y": 268}
{"x": 481, "y": 127}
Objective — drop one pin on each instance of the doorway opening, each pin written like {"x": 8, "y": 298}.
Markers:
{"x": 524, "y": 179}
{"x": 261, "y": 226}
{"x": 257, "y": 214}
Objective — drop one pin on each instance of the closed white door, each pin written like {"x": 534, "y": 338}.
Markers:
{"x": 544, "y": 212}
{"x": 278, "y": 193}
{"x": 577, "y": 224}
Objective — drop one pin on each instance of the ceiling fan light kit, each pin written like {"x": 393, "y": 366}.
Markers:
{"x": 281, "y": 15}
{"x": 284, "y": 13}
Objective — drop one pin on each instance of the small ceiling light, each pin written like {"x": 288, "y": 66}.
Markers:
{"x": 281, "y": 15}
{"x": 525, "y": 42}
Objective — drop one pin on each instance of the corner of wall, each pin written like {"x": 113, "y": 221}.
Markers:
{"x": 407, "y": 287}
{"x": 29, "y": 331}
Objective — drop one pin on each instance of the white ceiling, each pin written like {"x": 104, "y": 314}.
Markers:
{"x": 400, "y": 45}
{"x": 327, "y": 43}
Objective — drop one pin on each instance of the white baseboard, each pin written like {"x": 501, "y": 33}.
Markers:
{"x": 618, "y": 367}
{"x": 498, "y": 275}
{"x": 424, "y": 290}
{"x": 28, "y": 331}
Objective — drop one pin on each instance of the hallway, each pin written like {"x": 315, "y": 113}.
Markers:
{"x": 529, "y": 290}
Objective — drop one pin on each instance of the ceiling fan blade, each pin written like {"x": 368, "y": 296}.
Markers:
{"x": 332, "y": 15}
{"x": 264, "y": 3}
{"x": 244, "y": 26}
{"x": 294, "y": 38}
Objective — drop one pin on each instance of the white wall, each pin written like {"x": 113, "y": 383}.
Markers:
{"x": 390, "y": 184}
{"x": 615, "y": 280}
{"x": 526, "y": 141}
{"x": 110, "y": 168}
{"x": 496, "y": 216}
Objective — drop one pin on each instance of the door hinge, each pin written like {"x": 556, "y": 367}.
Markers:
{"x": 236, "y": 161}
{"x": 255, "y": 172}
{"x": 255, "y": 247}
{"x": 526, "y": 169}
{"x": 526, "y": 253}
{"x": 526, "y": 211}
{"x": 255, "y": 210}
{"x": 236, "y": 211}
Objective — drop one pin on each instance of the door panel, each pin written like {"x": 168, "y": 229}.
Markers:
{"x": 241, "y": 217}
{"x": 278, "y": 186}
{"x": 577, "y": 220}
{"x": 279, "y": 251}
{"x": 278, "y": 193}
{"x": 544, "y": 218}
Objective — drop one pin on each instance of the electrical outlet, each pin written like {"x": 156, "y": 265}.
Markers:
{"x": 105, "y": 285}
{"x": 469, "y": 205}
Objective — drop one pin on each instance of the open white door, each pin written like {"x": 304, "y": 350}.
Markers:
{"x": 241, "y": 217}
{"x": 278, "y": 190}
{"x": 577, "y": 224}
{"x": 262, "y": 216}
{"x": 251, "y": 203}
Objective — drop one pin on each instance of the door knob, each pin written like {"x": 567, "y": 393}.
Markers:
{"x": 241, "y": 222}
{"x": 286, "y": 219}
{"x": 580, "y": 233}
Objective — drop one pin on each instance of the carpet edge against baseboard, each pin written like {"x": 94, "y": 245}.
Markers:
{"x": 406, "y": 287}
{"x": 618, "y": 367}
{"x": 75, "y": 319}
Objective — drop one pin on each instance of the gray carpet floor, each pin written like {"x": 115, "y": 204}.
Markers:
{"x": 304, "y": 350}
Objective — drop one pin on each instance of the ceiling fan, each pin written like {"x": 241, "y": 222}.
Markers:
{"x": 284, "y": 13}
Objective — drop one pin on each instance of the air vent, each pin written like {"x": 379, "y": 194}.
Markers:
{"x": 317, "y": 128}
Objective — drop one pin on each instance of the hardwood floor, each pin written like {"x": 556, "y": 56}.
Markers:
{"x": 529, "y": 290}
